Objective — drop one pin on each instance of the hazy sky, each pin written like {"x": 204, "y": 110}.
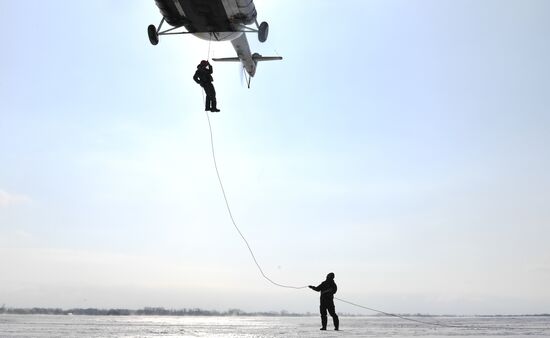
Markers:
{"x": 401, "y": 144}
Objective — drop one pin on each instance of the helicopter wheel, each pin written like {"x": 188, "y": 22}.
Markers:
{"x": 153, "y": 35}
{"x": 263, "y": 31}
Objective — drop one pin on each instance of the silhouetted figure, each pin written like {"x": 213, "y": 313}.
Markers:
{"x": 327, "y": 288}
{"x": 203, "y": 76}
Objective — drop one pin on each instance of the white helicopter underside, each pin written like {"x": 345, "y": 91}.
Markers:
{"x": 240, "y": 13}
{"x": 218, "y": 36}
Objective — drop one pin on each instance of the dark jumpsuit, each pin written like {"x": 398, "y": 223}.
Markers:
{"x": 327, "y": 288}
{"x": 203, "y": 76}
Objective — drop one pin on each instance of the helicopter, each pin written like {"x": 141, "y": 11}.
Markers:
{"x": 215, "y": 20}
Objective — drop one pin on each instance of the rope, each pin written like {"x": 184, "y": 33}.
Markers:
{"x": 233, "y": 219}
{"x": 209, "y": 43}
{"x": 470, "y": 327}
{"x": 393, "y": 315}
{"x": 227, "y": 202}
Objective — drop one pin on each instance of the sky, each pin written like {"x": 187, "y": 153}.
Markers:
{"x": 401, "y": 144}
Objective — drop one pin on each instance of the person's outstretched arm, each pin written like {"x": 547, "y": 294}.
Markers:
{"x": 314, "y": 288}
{"x": 317, "y": 288}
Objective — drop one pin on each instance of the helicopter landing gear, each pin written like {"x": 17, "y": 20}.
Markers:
{"x": 153, "y": 35}
{"x": 263, "y": 31}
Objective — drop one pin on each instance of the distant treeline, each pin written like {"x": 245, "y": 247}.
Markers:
{"x": 160, "y": 311}
{"x": 148, "y": 311}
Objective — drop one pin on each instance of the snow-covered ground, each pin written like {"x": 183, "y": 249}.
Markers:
{"x": 143, "y": 326}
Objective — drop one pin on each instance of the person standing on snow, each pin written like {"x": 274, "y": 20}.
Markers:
{"x": 327, "y": 289}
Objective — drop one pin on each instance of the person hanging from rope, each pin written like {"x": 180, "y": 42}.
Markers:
{"x": 203, "y": 76}
{"x": 327, "y": 289}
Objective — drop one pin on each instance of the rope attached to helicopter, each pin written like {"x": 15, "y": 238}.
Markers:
{"x": 227, "y": 202}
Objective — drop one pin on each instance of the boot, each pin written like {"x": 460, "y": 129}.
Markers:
{"x": 336, "y": 321}
{"x": 214, "y": 109}
{"x": 323, "y": 323}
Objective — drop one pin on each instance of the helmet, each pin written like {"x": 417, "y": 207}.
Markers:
{"x": 330, "y": 275}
